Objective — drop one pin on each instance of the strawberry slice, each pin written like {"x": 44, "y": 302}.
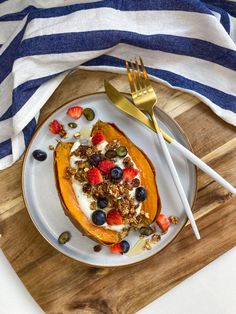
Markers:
{"x": 94, "y": 176}
{"x": 129, "y": 174}
{"x": 75, "y": 112}
{"x": 116, "y": 248}
{"x": 114, "y": 217}
{"x": 106, "y": 165}
{"x": 163, "y": 222}
{"x": 57, "y": 128}
{"x": 98, "y": 138}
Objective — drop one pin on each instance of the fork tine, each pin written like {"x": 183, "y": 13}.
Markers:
{"x": 130, "y": 78}
{"x": 136, "y": 80}
{"x": 140, "y": 77}
{"x": 145, "y": 73}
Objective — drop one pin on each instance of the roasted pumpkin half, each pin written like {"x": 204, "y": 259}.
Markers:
{"x": 149, "y": 208}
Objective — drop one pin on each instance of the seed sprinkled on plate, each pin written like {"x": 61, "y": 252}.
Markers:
{"x": 147, "y": 245}
{"x": 64, "y": 237}
{"x": 174, "y": 220}
{"x": 155, "y": 238}
{"x": 77, "y": 135}
{"x": 72, "y": 125}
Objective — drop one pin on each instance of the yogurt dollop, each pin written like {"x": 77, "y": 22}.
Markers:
{"x": 85, "y": 199}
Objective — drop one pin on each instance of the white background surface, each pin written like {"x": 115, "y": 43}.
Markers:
{"x": 212, "y": 290}
{"x": 14, "y": 298}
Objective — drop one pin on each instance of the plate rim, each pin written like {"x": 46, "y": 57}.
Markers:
{"x": 38, "y": 128}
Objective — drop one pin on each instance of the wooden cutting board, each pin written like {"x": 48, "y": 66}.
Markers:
{"x": 62, "y": 285}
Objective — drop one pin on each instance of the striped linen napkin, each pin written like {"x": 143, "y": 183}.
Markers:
{"x": 188, "y": 45}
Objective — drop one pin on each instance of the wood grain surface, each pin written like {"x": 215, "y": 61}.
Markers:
{"x": 62, "y": 285}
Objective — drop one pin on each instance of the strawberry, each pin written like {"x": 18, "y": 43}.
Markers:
{"x": 75, "y": 112}
{"x": 98, "y": 138}
{"x": 106, "y": 165}
{"x": 129, "y": 174}
{"x": 116, "y": 248}
{"x": 163, "y": 222}
{"x": 57, "y": 128}
{"x": 94, "y": 176}
{"x": 114, "y": 217}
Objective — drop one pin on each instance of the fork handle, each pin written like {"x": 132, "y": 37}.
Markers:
{"x": 203, "y": 166}
{"x": 176, "y": 179}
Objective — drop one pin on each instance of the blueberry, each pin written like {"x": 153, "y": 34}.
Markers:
{"x": 39, "y": 155}
{"x": 102, "y": 202}
{"x": 95, "y": 159}
{"x": 98, "y": 217}
{"x": 116, "y": 174}
{"x": 140, "y": 194}
{"x": 125, "y": 246}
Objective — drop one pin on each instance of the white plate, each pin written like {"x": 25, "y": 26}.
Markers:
{"x": 41, "y": 196}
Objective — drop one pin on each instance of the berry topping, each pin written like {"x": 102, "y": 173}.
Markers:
{"x": 75, "y": 112}
{"x": 140, "y": 194}
{"x": 98, "y": 217}
{"x": 114, "y": 217}
{"x": 56, "y": 127}
{"x": 116, "y": 174}
{"x": 122, "y": 151}
{"x": 95, "y": 159}
{"x": 94, "y": 176}
{"x": 98, "y": 138}
{"x": 122, "y": 247}
{"x": 102, "y": 202}
{"x": 89, "y": 114}
{"x": 39, "y": 155}
{"x": 163, "y": 222}
{"x": 129, "y": 174}
{"x": 106, "y": 165}
{"x": 125, "y": 246}
{"x": 110, "y": 154}
{"x": 116, "y": 248}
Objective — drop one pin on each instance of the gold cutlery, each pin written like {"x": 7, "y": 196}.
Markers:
{"x": 128, "y": 107}
{"x": 144, "y": 97}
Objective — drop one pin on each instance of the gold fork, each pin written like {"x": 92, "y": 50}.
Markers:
{"x": 144, "y": 98}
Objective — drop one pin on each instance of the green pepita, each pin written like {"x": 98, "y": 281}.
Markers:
{"x": 89, "y": 114}
{"x": 72, "y": 125}
{"x": 110, "y": 154}
{"x": 64, "y": 237}
{"x": 146, "y": 231}
{"x": 122, "y": 151}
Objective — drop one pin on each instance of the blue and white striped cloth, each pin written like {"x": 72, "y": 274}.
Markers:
{"x": 187, "y": 44}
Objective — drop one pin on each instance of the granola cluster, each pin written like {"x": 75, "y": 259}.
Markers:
{"x": 120, "y": 195}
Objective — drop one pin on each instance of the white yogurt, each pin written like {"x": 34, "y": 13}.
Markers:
{"x": 85, "y": 199}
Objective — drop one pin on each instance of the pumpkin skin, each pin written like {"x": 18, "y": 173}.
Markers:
{"x": 151, "y": 205}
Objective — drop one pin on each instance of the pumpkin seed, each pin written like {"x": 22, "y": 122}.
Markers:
{"x": 122, "y": 151}
{"x": 89, "y": 114}
{"x": 146, "y": 231}
{"x": 110, "y": 154}
{"x": 64, "y": 237}
{"x": 72, "y": 125}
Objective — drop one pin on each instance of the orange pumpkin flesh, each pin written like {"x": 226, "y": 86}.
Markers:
{"x": 68, "y": 198}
